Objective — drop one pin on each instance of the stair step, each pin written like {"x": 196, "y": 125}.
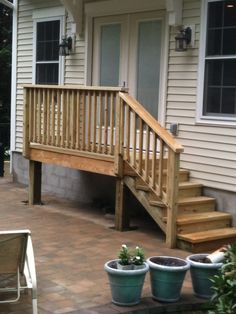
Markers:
{"x": 204, "y": 236}
{"x": 201, "y": 217}
{"x": 189, "y": 189}
{"x": 205, "y": 241}
{"x": 202, "y": 221}
{"x": 142, "y": 187}
{"x": 196, "y": 204}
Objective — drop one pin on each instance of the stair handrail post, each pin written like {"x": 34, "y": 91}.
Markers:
{"x": 119, "y": 138}
{"x": 26, "y": 143}
{"x": 172, "y": 197}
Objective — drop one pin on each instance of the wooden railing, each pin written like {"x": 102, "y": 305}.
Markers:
{"x": 152, "y": 153}
{"x": 74, "y": 118}
{"x": 108, "y": 123}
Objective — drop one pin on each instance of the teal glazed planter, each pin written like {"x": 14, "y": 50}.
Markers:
{"x": 201, "y": 274}
{"x": 126, "y": 285}
{"x": 167, "y": 275}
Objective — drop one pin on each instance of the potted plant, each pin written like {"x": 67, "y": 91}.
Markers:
{"x": 201, "y": 270}
{"x": 224, "y": 284}
{"x": 167, "y": 276}
{"x": 126, "y": 284}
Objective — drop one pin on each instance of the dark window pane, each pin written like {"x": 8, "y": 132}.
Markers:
{"x": 229, "y": 13}
{"x": 213, "y": 72}
{"x": 214, "y": 42}
{"x": 48, "y": 41}
{"x": 47, "y": 73}
{"x": 212, "y": 100}
{"x": 229, "y": 41}
{"x": 229, "y": 76}
{"x": 215, "y": 10}
{"x": 228, "y": 101}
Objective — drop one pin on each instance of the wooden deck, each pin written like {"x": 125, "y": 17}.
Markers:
{"x": 104, "y": 130}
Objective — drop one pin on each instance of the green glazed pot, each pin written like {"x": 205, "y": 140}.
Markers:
{"x": 201, "y": 274}
{"x": 126, "y": 285}
{"x": 167, "y": 280}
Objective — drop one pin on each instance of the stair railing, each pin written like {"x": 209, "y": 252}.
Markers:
{"x": 152, "y": 152}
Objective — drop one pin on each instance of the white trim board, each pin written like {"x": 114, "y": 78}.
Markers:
{"x": 13, "y": 78}
{"x": 114, "y": 7}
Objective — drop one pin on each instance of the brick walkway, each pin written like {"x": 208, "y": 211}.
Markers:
{"x": 71, "y": 245}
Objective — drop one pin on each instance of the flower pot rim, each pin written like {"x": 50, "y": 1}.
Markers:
{"x": 121, "y": 272}
{"x": 166, "y": 267}
{"x": 200, "y": 264}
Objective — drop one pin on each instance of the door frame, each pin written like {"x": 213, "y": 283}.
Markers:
{"x": 93, "y": 12}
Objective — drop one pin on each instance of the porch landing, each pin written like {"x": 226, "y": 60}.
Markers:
{"x": 71, "y": 244}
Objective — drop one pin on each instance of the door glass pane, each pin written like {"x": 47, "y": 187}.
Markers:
{"x": 148, "y": 65}
{"x": 110, "y": 55}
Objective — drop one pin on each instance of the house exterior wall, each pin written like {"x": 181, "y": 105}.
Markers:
{"x": 209, "y": 149}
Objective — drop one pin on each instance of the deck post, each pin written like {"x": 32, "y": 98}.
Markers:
{"x": 121, "y": 213}
{"x": 35, "y": 179}
{"x": 26, "y": 124}
{"x": 172, "y": 197}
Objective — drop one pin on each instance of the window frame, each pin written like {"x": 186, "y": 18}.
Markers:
{"x": 201, "y": 117}
{"x": 61, "y": 59}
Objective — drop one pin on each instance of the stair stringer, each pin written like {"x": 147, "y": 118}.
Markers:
{"x": 156, "y": 212}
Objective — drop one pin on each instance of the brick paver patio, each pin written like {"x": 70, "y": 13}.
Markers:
{"x": 71, "y": 244}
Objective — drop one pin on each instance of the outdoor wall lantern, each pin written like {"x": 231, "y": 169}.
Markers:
{"x": 65, "y": 46}
{"x": 183, "y": 39}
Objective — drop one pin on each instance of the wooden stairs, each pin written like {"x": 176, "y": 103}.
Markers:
{"x": 200, "y": 228}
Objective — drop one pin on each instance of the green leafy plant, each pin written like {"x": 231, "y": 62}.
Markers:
{"x": 124, "y": 255}
{"x": 138, "y": 256}
{"x": 127, "y": 257}
{"x": 224, "y": 285}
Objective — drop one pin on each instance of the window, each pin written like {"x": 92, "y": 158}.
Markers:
{"x": 47, "y": 56}
{"x": 220, "y": 60}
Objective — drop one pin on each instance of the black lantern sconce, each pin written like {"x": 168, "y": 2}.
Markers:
{"x": 183, "y": 39}
{"x": 65, "y": 46}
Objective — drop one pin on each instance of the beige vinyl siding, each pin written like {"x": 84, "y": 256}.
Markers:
{"x": 74, "y": 64}
{"x": 210, "y": 151}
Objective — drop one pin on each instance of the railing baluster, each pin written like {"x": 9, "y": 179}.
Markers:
{"x": 63, "y": 135}
{"x": 160, "y": 168}
{"x": 154, "y": 159}
{"x": 94, "y": 121}
{"x": 31, "y": 115}
{"x": 134, "y": 128}
{"x": 112, "y": 95}
{"x": 105, "y": 123}
{"x": 58, "y": 118}
{"x": 48, "y": 106}
{"x": 147, "y": 137}
{"x": 127, "y": 133}
{"x": 53, "y": 119}
{"x": 73, "y": 122}
{"x": 140, "y": 155}
{"x": 89, "y": 122}
{"x": 77, "y": 145}
{"x": 39, "y": 117}
{"x": 100, "y": 123}
{"x": 35, "y": 115}
{"x": 83, "y": 101}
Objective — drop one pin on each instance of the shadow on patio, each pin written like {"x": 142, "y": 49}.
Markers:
{"x": 71, "y": 245}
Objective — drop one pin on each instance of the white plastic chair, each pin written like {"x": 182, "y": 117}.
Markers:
{"x": 17, "y": 258}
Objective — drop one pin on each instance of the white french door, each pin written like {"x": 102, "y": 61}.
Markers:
{"x": 127, "y": 52}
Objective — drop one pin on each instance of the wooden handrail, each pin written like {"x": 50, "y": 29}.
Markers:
{"x": 76, "y": 87}
{"x": 152, "y": 122}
